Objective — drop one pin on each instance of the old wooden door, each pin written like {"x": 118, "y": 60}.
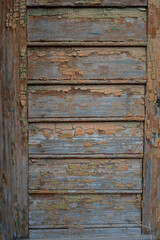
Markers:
{"x": 86, "y": 75}
{"x": 82, "y": 118}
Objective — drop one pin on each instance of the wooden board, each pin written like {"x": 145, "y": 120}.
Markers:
{"x": 87, "y": 24}
{"x": 86, "y": 101}
{"x": 86, "y": 64}
{"x": 66, "y": 211}
{"x": 85, "y": 234}
{"x": 151, "y": 196}
{"x": 82, "y": 174}
{"x": 108, "y": 3}
{"x": 118, "y": 138}
{"x": 13, "y": 122}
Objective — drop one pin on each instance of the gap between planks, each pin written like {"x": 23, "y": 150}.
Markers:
{"x": 63, "y": 192}
{"x": 86, "y": 44}
{"x": 144, "y": 237}
{"x": 103, "y": 156}
{"x": 100, "y": 119}
{"x": 87, "y": 82}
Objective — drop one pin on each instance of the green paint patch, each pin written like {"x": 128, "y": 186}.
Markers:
{"x": 116, "y": 29}
{"x": 61, "y": 205}
{"x": 18, "y": 223}
{"x": 32, "y": 127}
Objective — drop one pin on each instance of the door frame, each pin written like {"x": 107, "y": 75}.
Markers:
{"x": 14, "y": 128}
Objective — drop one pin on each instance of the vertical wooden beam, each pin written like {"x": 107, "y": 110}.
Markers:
{"x": 23, "y": 162}
{"x": 13, "y": 116}
{"x": 151, "y": 201}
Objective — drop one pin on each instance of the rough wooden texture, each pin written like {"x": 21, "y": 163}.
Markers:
{"x": 151, "y": 213}
{"x": 82, "y": 65}
{"x": 81, "y": 210}
{"x": 87, "y": 24}
{"x": 126, "y": 237}
{"x": 85, "y": 234}
{"x": 13, "y": 168}
{"x": 86, "y": 138}
{"x": 108, "y": 3}
{"x": 95, "y": 174}
{"x": 86, "y": 101}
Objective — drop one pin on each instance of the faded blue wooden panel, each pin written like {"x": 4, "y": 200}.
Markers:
{"x": 86, "y": 64}
{"x": 118, "y": 138}
{"x": 87, "y": 24}
{"x": 86, "y": 101}
{"x": 89, "y": 233}
{"x": 83, "y": 174}
{"x": 59, "y": 211}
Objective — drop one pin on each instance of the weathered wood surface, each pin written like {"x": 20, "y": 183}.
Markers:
{"x": 13, "y": 162}
{"x": 87, "y": 24}
{"x": 108, "y": 3}
{"x": 59, "y": 211}
{"x": 86, "y": 138}
{"x": 126, "y": 237}
{"x": 151, "y": 207}
{"x": 96, "y": 174}
{"x": 86, "y": 64}
{"x": 90, "y": 233}
{"x": 86, "y": 101}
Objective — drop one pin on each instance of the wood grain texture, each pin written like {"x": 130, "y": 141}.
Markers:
{"x": 13, "y": 161}
{"x": 90, "y": 233}
{"x": 86, "y": 101}
{"x": 87, "y": 24}
{"x": 81, "y": 65}
{"x": 126, "y": 237}
{"x": 83, "y": 209}
{"x": 86, "y": 138}
{"x": 108, "y": 3}
{"x": 151, "y": 207}
{"x": 94, "y": 174}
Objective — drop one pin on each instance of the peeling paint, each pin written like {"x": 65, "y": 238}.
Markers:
{"x": 16, "y": 14}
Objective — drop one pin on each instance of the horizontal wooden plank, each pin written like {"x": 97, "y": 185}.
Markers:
{"x": 59, "y": 211}
{"x": 82, "y": 174}
{"x": 86, "y": 138}
{"x": 108, "y": 3}
{"x": 86, "y": 101}
{"x": 85, "y": 234}
{"x": 87, "y": 24}
{"x": 80, "y": 65}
